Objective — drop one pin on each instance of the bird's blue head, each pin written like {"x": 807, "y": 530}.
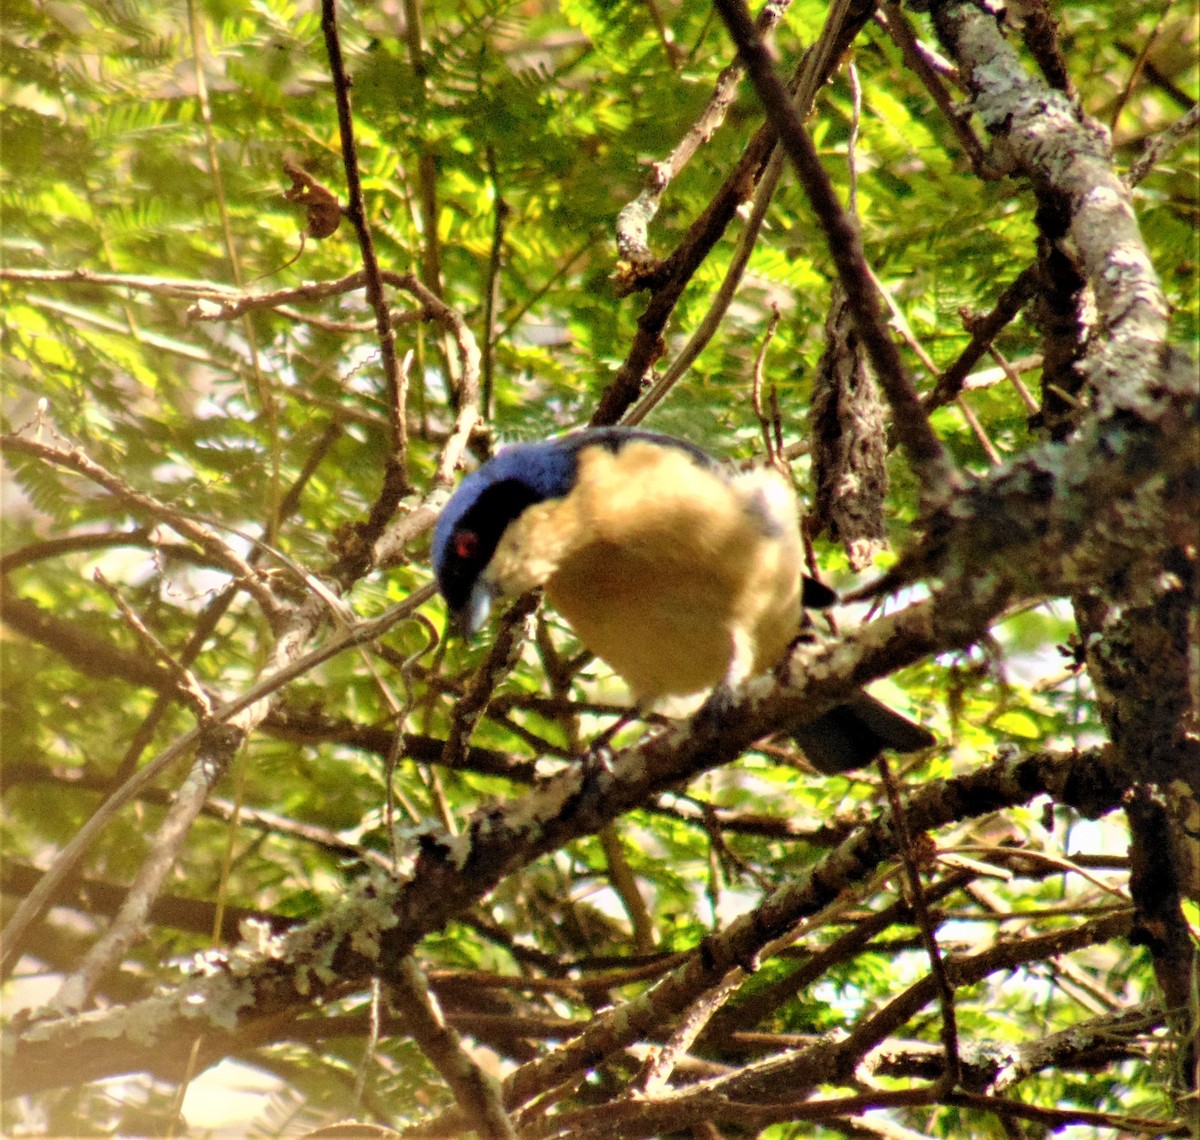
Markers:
{"x": 489, "y": 499}
{"x": 479, "y": 511}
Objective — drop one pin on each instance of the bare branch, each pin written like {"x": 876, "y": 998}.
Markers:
{"x": 216, "y": 747}
{"x": 478, "y": 1093}
{"x": 396, "y": 477}
{"x": 916, "y": 55}
{"x": 634, "y": 220}
{"x": 292, "y": 666}
{"x": 937, "y": 967}
{"x": 672, "y": 274}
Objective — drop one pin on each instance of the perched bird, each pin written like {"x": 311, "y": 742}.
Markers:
{"x": 679, "y": 573}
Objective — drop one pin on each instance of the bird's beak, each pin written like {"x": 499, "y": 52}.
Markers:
{"x": 469, "y": 620}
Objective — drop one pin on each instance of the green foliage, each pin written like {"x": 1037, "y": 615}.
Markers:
{"x": 117, "y": 170}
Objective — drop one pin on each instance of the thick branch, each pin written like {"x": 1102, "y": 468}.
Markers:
{"x": 1066, "y": 519}
{"x": 380, "y": 923}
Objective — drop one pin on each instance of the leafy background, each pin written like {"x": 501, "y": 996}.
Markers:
{"x": 118, "y": 162}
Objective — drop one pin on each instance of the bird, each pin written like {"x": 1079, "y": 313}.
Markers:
{"x": 682, "y": 574}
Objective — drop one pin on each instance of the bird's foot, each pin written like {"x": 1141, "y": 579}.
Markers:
{"x": 600, "y": 750}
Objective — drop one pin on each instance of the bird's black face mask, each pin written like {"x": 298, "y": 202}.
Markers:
{"x": 470, "y": 546}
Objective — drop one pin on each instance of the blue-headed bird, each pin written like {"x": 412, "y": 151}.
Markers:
{"x": 681, "y": 574}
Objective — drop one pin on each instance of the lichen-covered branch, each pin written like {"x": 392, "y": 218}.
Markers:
{"x": 230, "y": 993}
{"x": 1043, "y": 135}
{"x": 634, "y": 220}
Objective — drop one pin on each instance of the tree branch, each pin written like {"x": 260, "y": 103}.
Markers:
{"x": 289, "y": 664}
{"x": 1049, "y": 139}
{"x": 221, "y": 553}
{"x": 478, "y": 1093}
{"x": 673, "y": 273}
{"x": 912, "y": 426}
{"x": 396, "y": 477}
{"x": 380, "y": 922}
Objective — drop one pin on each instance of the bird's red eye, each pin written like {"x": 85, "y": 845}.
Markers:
{"x": 466, "y": 544}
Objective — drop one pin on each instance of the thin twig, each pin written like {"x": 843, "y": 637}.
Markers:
{"x": 391, "y": 543}
{"x": 1014, "y": 378}
{"x": 1062, "y": 863}
{"x": 1162, "y": 144}
{"x": 1057, "y": 1118}
{"x": 670, "y": 277}
{"x": 916, "y": 55}
{"x": 920, "y": 907}
{"x": 217, "y": 745}
{"x": 624, "y": 883}
{"x": 814, "y": 67}
{"x": 38, "y": 899}
{"x": 721, "y": 301}
{"x": 984, "y": 331}
{"x": 396, "y": 475}
{"x": 73, "y": 544}
{"x": 978, "y": 430}
{"x": 159, "y": 286}
{"x": 1138, "y": 64}
{"x": 215, "y": 302}
{"x": 634, "y": 220}
{"x": 535, "y": 298}
{"x": 376, "y": 550}
{"x": 189, "y": 687}
{"x": 510, "y": 638}
{"x": 856, "y": 103}
{"x": 1157, "y": 78}
{"x": 371, "y": 1045}
{"x": 754, "y": 1008}
{"x": 220, "y": 552}
{"x": 900, "y": 324}
{"x": 491, "y": 296}
{"x": 227, "y": 306}
{"x": 202, "y": 628}
{"x": 768, "y": 425}
{"x": 670, "y": 47}
{"x": 655, "y": 1076}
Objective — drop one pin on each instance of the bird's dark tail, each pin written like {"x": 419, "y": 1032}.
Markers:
{"x": 852, "y": 735}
